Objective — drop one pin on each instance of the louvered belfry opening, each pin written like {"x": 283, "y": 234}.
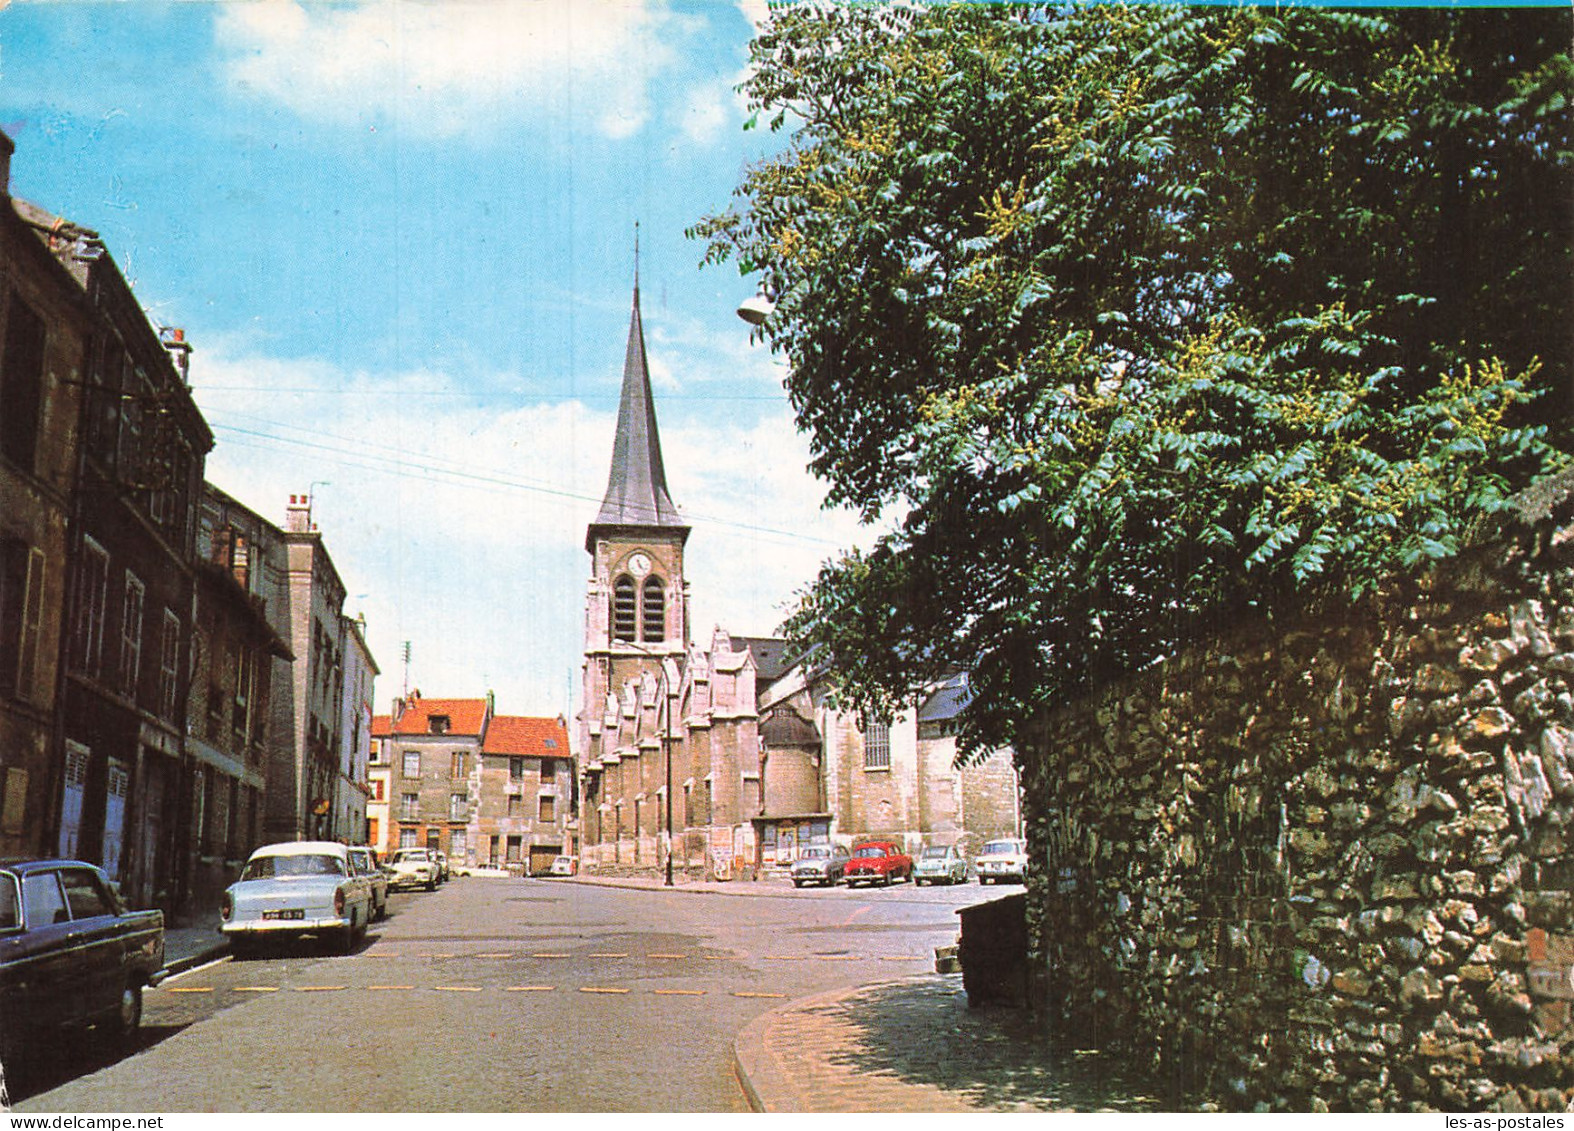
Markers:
{"x": 655, "y": 609}
{"x": 625, "y": 609}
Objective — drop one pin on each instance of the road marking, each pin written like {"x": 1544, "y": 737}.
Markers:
{"x": 754, "y": 993}
{"x": 497, "y": 954}
{"x": 681, "y": 993}
{"x": 666, "y": 956}
{"x": 390, "y": 987}
{"x": 902, "y": 958}
{"x": 609, "y": 954}
{"x": 602, "y": 990}
{"x": 838, "y": 957}
{"x": 549, "y": 956}
{"x": 719, "y": 957}
{"x": 784, "y": 958}
{"x": 436, "y": 956}
{"x": 459, "y": 989}
{"x": 316, "y": 989}
{"x": 529, "y": 989}
{"x": 256, "y": 989}
{"x": 190, "y": 989}
{"x": 861, "y": 911}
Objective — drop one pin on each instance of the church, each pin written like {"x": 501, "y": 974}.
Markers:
{"x": 727, "y": 752}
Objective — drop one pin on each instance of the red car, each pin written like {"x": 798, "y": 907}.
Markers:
{"x": 878, "y": 861}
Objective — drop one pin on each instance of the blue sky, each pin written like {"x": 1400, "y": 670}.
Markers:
{"x": 400, "y": 238}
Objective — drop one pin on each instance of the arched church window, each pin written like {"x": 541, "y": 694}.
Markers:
{"x": 655, "y": 624}
{"x": 625, "y": 610}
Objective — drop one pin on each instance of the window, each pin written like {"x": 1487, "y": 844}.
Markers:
{"x": 514, "y": 843}
{"x": 516, "y": 769}
{"x": 409, "y": 806}
{"x": 514, "y": 807}
{"x": 549, "y": 743}
{"x": 547, "y": 808}
{"x": 456, "y": 764}
{"x": 434, "y": 840}
{"x": 412, "y": 763}
{"x": 240, "y": 720}
{"x": 21, "y": 617}
{"x": 625, "y": 612}
{"x": 548, "y": 769}
{"x": 407, "y": 838}
{"x": 654, "y": 626}
{"x": 87, "y": 634}
{"x": 877, "y": 746}
{"x": 457, "y": 844}
{"x": 438, "y": 724}
{"x": 457, "y": 804}
{"x": 43, "y": 900}
{"x": 21, "y": 385}
{"x": 377, "y": 790}
{"x": 375, "y": 757}
{"x": 131, "y": 635}
{"x": 169, "y": 665}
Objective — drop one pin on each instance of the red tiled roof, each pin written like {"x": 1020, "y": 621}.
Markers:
{"x": 465, "y": 716}
{"x": 382, "y": 726}
{"x": 512, "y": 734}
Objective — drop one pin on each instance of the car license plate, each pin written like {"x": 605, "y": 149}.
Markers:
{"x": 296, "y": 914}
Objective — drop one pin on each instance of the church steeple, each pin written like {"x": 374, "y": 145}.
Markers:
{"x": 637, "y": 485}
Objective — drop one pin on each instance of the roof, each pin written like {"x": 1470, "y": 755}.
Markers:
{"x": 515, "y": 734}
{"x": 949, "y": 700}
{"x": 770, "y": 655}
{"x": 784, "y": 726}
{"x": 637, "y": 483}
{"x": 466, "y": 717}
{"x": 304, "y": 848}
{"x": 382, "y": 726}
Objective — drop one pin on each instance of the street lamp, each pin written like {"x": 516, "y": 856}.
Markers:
{"x": 757, "y": 308}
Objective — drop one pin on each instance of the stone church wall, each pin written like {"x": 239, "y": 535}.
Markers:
{"x": 1326, "y": 866}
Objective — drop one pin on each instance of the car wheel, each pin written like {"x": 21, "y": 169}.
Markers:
{"x": 982, "y": 880}
{"x": 124, "y": 1028}
{"x": 431, "y": 885}
{"x": 797, "y": 883}
{"x": 885, "y": 882}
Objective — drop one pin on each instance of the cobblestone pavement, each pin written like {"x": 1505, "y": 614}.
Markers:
{"x": 914, "y": 1046}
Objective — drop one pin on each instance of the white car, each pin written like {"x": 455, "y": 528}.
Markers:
{"x": 308, "y": 887}
{"x": 1002, "y": 861}
{"x": 564, "y": 866}
{"x": 365, "y": 860}
{"x": 414, "y": 868}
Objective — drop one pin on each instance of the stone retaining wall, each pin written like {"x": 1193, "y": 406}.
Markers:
{"x": 1326, "y": 866}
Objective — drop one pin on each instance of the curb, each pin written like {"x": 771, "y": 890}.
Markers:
{"x": 753, "y": 888}
{"x": 186, "y": 962}
{"x": 767, "y": 1088}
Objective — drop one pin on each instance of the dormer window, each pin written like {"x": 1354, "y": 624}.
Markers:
{"x": 438, "y": 724}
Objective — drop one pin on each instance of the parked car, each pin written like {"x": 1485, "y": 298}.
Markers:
{"x": 564, "y": 866}
{"x": 819, "y": 864}
{"x": 71, "y": 955}
{"x": 1002, "y": 860}
{"x": 878, "y": 861}
{"x": 413, "y": 868}
{"x": 365, "y": 860}
{"x": 307, "y": 887}
{"x": 940, "y": 864}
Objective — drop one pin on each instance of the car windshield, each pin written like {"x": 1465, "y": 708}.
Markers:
{"x": 870, "y": 850}
{"x": 815, "y": 854}
{"x": 418, "y": 855}
{"x": 935, "y": 853}
{"x": 1001, "y": 848}
{"x": 278, "y": 867}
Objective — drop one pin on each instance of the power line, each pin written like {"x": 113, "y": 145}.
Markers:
{"x": 459, "y": 474}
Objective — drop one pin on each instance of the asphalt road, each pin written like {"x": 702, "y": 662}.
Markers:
{"x": 506, "y": 995}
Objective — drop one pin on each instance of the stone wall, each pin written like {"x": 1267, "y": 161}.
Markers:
{"x": 1325, "y": 865}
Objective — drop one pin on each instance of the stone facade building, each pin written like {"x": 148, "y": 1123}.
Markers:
{"x": 431, "y": 748}
{"x": 524, "y": 803}
{"x": 726, "y": 747}
{"x": 44, "y": 333}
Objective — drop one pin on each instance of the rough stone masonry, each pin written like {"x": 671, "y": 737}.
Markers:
{"x": 1325, "y": 865}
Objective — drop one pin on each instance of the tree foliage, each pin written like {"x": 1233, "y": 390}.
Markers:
{"x": 1130, "y": 319}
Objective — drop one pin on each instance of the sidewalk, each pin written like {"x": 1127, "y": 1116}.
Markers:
{"x": 915, "y": 1046}
{"x": 189, "y": 944}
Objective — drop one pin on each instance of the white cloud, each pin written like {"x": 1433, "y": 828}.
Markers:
{"x": 460, "y": 528}
{"x": 448, "y": 68}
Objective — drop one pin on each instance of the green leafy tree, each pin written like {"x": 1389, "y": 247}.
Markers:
{"x": 1127, "y": 319}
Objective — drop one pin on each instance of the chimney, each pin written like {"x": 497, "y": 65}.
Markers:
{"x": 298, "y": 515}
{"x": 7, "y": 147}
{"x": 173, "y": 339}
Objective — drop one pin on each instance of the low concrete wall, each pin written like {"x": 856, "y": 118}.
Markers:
{"x": 1326, "y": 866}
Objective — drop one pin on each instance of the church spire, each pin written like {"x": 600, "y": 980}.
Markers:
{"x": 637, "y": 485}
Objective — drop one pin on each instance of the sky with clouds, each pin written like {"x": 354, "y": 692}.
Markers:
{"x": 400, "y": 237}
